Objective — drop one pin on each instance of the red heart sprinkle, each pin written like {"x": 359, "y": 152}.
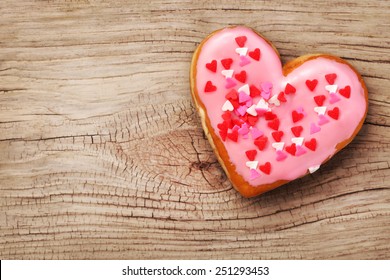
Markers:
{"x": 209, "y": 87}
{"x": 289, "y": 89}
{"x": 281, "y": 97}
{"x": 237, "y": 122}
{"x": 331, "y": 78}
{"x": 277, "y": 135}
{"x": 274, "y": 124}
{"x": 266, "y": 168}
{"x": 269, "y": 116}
{"x": 226, "y": 63}
{"x": 233, "y": 135}
{"x": 241, "y": 41}
{"x": 254, "y": 91}
{"x": 223, "y": 134}
{"x": 251, "y": 154}
{"x": 297, "y": 116}
{"x": 224, "y": 126}
{"x": 227, "y": 115}
{"x": 319, "y": 99}
{"x": 261, "y": 142}
{"x": 297, "y": 130}
{"x": 291, "y": 149}
{"x": 255, "y": 54}
{"x": 346, "y": 92}
{"x": 232, "y": 95}
{"x": 212, "y": 66}
{"x": 334, "y": 114}
{"x": 311, "y": 84}
{"x": 252, "y": 120}
{"x": 312, "y": 144}
{"x": 235, "y": 104}
{"x": 241, "y": 76}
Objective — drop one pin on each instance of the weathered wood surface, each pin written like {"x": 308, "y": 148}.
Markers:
{"x": 102, "y": 155}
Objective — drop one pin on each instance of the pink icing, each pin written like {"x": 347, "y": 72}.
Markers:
{"x": 267, "y": 75}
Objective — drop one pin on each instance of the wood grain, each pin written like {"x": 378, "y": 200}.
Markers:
{"x": 102, "y": 155}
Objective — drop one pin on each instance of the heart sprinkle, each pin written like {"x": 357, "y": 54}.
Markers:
{"x": 319, "y": 99}
{"x": 346, "y": 92}
{"x": 280, "y": 156}
{"x": 289, "y": 89}
{"x": 212, "y": 66}
{"x": 241, "y": 76}
{"x": 227, "y": 106}
{"x": 314, "y": 128}
{"x": 245, "y": 89}
{"x": 226, "y": 63}
{"x": 255, "y": 54}
{"x": 312, "y": 144}
{"x": 254, "y": 174}
{"x": 241, "y": 40}
{"x": 297, "y": 130}
{"x": 251, "y": 154}
{"x": 242, "y": 51}
{"x": 278, "y": 146}
{"x": 209, "y": 87}
{"x": 334, "y": 113}
{"x": 277, "y": 135}
{"x": 261, "y": 142}
{"x": 311, "y": 84}
{"x": 314, "y": 168}
{"x": 330, "y": 78}
{"x": 227, "y": 73}
{"x": 266, "y": 168}
{"x": 252, "y": 164}
{"x": 331, "y": 88}
{"x": 296, "y": 117}
{"x": 333, "y": 98}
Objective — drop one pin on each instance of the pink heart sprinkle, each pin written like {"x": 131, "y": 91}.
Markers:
{"x": 235, "y": 127}
{"x": 230, "y": 83}
{"x": 260, "y": 111}
{"x": 244, "y": 60}
{"x": 249, "y": 103}
{"x": 300, "y": 151}
{"x": 280, "y": 155}
{"x": 333, "y": 98}
{"x": 256, "y": 133}
{"x": 265, "y": 95}
{"x": 242, "y": 110}
{"x": 244, "y": 130}
{"x": 254, "y": 174}
{"x": 266, "y": 86}
{"x": 243, "y": 97}
{"x": 322, "y": 120}
{"x": 314, "y": 128}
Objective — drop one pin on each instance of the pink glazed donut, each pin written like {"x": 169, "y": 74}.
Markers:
{"x": 267, "y": 123}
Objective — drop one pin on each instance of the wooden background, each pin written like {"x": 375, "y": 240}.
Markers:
{"x": 102, "y": 155}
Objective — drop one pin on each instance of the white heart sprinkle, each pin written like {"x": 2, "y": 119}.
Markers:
{"x": 245, "y": 89}
{"x": 274, "y": 100}
{"x": 252, "y": 164}
{"x": 320, "y": 110}
{"x": 252, "y": 110}
{"x": 314, "y": 168}
{"x": 227, "y": 73}
{"x": 278, "y": 146}
{"x": 227, "y": 106}
{"x": 262, "y": 104}
{"x": 297, "y": 140}
{"x": 242, "y": 51}
{"x": 331, "y": 88}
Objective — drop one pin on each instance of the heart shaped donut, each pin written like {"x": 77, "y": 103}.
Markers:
{"x": 270, "y": 124}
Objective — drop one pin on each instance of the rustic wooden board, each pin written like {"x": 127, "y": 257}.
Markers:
{"x": 102, "y": 155}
